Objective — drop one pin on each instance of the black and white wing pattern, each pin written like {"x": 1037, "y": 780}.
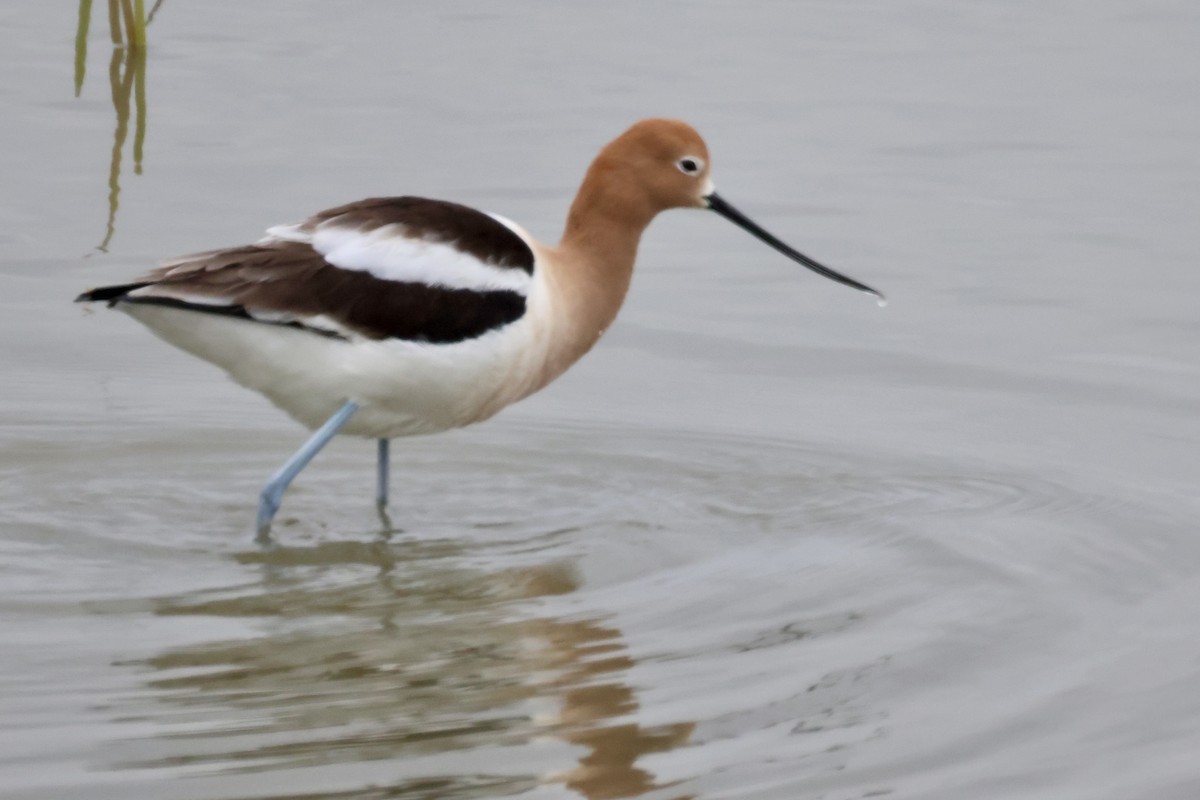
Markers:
{"x": 385, "y": 268}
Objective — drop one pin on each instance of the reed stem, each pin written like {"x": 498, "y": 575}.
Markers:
{"x": 114, "y": 21}
{"x": 81, "y": 34}
{"x": 138, "y": 65}
{"x": 138, "y": 33}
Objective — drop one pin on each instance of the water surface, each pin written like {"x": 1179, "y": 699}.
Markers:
{"x": 767, "y": 541}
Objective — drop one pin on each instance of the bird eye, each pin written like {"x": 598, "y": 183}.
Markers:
{"x": 689, "y": 165}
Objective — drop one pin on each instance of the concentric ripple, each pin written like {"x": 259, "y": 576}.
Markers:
{"x": 675, "y": 606}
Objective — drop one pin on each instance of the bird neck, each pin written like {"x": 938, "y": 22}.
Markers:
{"x": 600, "y": 241}
{"x": 593, "y": 262}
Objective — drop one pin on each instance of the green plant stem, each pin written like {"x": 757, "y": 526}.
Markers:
{"x": 114, "y": 21}
{"x": 137, "y": 63}
{"x": 81, "y": 34}
{"x": 137, "y": 35}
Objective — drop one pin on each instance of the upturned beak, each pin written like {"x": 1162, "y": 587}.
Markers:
{"x": 717, "y": 204}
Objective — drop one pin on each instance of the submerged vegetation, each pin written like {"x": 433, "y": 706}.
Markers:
{"x": 127, "y": 21}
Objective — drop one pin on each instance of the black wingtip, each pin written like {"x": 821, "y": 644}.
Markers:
{"x": 108, "y": 294}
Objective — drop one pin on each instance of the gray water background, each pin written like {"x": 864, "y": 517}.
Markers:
{"x": 767, "y": 541}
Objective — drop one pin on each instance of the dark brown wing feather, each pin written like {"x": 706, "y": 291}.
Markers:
{"x": 468, "y": 229}
{"x": 290, "y": 283}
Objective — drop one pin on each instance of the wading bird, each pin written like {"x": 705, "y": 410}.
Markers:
{"x": 398, "y": 316}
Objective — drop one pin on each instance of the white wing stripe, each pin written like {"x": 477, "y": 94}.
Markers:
{"x": 287, "y": 233}
{"x": 388, "y": 253}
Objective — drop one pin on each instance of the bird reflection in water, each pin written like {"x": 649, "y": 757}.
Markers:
{"x": 373, "y": 661}
{"x": 610, "y": 768}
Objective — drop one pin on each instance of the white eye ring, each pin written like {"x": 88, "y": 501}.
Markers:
{"x": 690, "y": 165}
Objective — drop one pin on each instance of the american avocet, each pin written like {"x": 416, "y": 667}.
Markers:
{"x": 398, "y": 316}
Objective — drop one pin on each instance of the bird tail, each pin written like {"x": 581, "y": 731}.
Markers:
{"x": 108, "y": 294}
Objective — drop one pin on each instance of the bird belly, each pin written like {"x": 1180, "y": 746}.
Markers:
{"x": 403, "y": 388}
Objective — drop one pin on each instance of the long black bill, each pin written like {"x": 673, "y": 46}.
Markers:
{"x": 742, "y": 221}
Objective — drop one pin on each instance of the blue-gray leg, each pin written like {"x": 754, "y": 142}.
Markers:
{"x": 381, "y": 486}
{"x": 272, "y": 493}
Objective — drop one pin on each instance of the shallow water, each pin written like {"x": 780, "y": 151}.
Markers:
{"x": 767, "y": 541}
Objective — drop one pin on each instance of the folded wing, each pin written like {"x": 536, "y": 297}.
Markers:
{"x": 385, "y": 268}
